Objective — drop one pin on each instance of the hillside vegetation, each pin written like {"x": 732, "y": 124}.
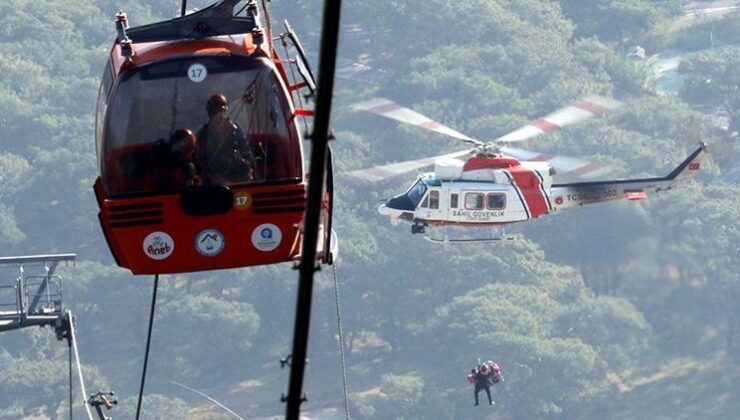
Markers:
{"x": 622, "y": 310}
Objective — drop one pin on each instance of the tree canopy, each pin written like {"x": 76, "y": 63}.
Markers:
{"x": 590, "y": 313}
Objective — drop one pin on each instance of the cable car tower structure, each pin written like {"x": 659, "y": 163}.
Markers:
{"x": 31, "y": 296}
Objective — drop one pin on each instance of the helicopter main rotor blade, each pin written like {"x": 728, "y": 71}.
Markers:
{"x": 378, "y": 173}
{"x": 561, "y": 164}
{"x": 389, "y": 109}
{"x": 576, "y": 112}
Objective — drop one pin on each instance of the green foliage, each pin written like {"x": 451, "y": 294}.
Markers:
{"x": 618, "y": 20}
{"x": 713, "y": 79}
{"x": 399, "y": 395}
{"x": 10, "y": 232}
{"x": 224, "y": 332}
{"x": 582, "y": 296}
{"x": 709, "y": 33}
{"x": 154, "y": 407}
{"x": 611, "y": 67}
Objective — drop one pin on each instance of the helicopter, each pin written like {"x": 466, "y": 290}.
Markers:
{"x": 499, "y": 185}
{"x": 169, "y": 201}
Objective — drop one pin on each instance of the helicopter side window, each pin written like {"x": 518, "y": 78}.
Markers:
{"x": 496, "y": 201}
{"x": 425, "y": 203}
{"x": 474, "y": 201}
{"x": 453, "y": 201}
{"x": 434, "y": 199}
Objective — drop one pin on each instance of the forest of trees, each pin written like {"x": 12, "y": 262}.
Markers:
{"x": 621, "y": 310}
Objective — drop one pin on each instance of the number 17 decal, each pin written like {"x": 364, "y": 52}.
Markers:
{"x": 197, "y": 72}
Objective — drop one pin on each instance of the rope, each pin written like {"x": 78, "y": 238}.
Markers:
{"x": 73, "y": 338}
{"x": 341, "y": 341}
{"x": 69, "y": 348}
{"x": 213, "y": 400}
{"x": 148, "y": 342}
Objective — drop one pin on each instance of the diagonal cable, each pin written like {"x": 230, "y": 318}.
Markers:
{"x": 148, "y": 342}
{"x": 73, "y": 337}
{"x": 341, "y": 342}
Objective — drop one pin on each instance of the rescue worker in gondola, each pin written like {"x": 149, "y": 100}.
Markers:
{"x": 174, "y": 162}
{"x": 223, "y": 151}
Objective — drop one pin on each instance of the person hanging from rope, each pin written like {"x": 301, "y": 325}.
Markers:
{"x": 495, "y": 369}
{"x": 482, "y": 377}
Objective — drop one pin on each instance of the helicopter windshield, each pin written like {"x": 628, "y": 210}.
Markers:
{"x": 203, "y": 120}
{"x": 416, "y": 192}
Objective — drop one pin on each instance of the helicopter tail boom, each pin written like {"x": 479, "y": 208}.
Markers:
{"x": 577, "y": 194}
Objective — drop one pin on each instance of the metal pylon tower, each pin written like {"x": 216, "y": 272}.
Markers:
{"x": 30, "y": 292}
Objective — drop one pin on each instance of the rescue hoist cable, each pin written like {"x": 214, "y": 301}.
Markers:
{"x": 73, "y": 338}
{"x": 148, "y": 342}
{"x": 319, "y": 153}
{"x": 341, "y": 341}
{"x": 71, "y": 401}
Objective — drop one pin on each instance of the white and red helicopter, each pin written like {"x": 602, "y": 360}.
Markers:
{"x": 499, "y": 185}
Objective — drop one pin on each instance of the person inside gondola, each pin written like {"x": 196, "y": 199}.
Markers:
{"x": 224, "y": 154}
{"x": 174, "y": 162}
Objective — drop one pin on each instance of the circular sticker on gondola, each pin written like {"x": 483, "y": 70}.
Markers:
{"x": 242, "y": 201}
{"x": 197, "y": 72}
{"x": 158, "y": 245}
{"x": 210, "y": 242}
{"x": 266, "y": 237}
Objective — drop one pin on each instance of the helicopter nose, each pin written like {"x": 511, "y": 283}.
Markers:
{"x": 394, "y": 213}
{"x": 388, "y": 211}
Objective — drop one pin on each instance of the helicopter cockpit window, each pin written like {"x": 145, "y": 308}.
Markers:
{"x": 219, "y": 120}
{"x": 425, "y": 203}
{"x": 474, "y": 201}
{"x": 416, "y": 192}
{"x": 434, "y": 199}
{"x": 496, "y": 201}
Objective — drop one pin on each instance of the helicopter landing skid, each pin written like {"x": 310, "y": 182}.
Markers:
{"x": 499, "y": 235}
{"x": 468, "y": 240}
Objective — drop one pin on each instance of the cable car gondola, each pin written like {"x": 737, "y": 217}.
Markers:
{"x": 199, "y": 151}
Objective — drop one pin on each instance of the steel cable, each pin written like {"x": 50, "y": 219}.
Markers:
{"x": 148, "y": 342}
{"x": 341, "y": 342}
{"x": 73, "y": 337}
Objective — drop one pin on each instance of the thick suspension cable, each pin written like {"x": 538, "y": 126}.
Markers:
{"x": 148, "y": 342}
{"x": 341, "y": 342}
{"x": 73, "y": 338}
{"x": 319, "y": 153}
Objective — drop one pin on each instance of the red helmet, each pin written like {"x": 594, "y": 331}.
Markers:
{"x": 185, "y": 140}
{"x": 217, "y": 102}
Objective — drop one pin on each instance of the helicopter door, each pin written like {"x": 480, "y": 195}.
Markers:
{"x": 429, "y": 209}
